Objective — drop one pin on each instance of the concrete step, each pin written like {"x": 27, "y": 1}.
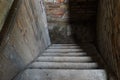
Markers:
{"x": 64, "y": 47}
{"x": 64, "y": 59}
{"x": 63, "y": 50}
{"x": 68, "y": 53}
{"x": 61, "y": 74}
{"x": 65, "y": 54}
{"x": 82, "y": 44}
{"x": 62, "y": 65}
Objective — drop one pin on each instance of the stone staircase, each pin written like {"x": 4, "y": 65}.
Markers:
{"x": 66, "y": 62}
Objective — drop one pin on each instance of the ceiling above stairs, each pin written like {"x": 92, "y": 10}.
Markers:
{"x": 82, "y": 10}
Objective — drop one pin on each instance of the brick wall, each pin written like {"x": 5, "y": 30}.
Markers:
{"x": 28, "y": 39}
{"x": 57, "y": 15}
{"x": 109, "y": 33}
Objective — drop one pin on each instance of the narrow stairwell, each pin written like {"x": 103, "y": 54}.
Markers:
{"x": 66, "y": 62}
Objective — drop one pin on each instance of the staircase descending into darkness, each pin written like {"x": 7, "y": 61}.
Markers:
{"x": 66, "y": 62}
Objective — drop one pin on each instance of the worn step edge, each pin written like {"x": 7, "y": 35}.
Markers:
{"x": 66, "y": 53}
{"x": 64, "y": 44}
{"x": 64, "y": 47}
{"x": 63, "y": 50}
{"x": 69, "y": 55}
{"x": 63, "y": 65}
{"x": 82, "y": 44}
{"x": 64, "y": 59}
{"x": 61, "y": 74}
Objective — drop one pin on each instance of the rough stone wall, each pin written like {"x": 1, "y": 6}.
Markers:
{"x": 70, "y": 18}
{"x": 57, "y": 15}
{"x": 109, "y": 33}
{"x": 4, "y": 8}
{"x": 26, "y": 41}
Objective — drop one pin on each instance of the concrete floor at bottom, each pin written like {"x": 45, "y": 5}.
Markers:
{"x": 61, "y": 74}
